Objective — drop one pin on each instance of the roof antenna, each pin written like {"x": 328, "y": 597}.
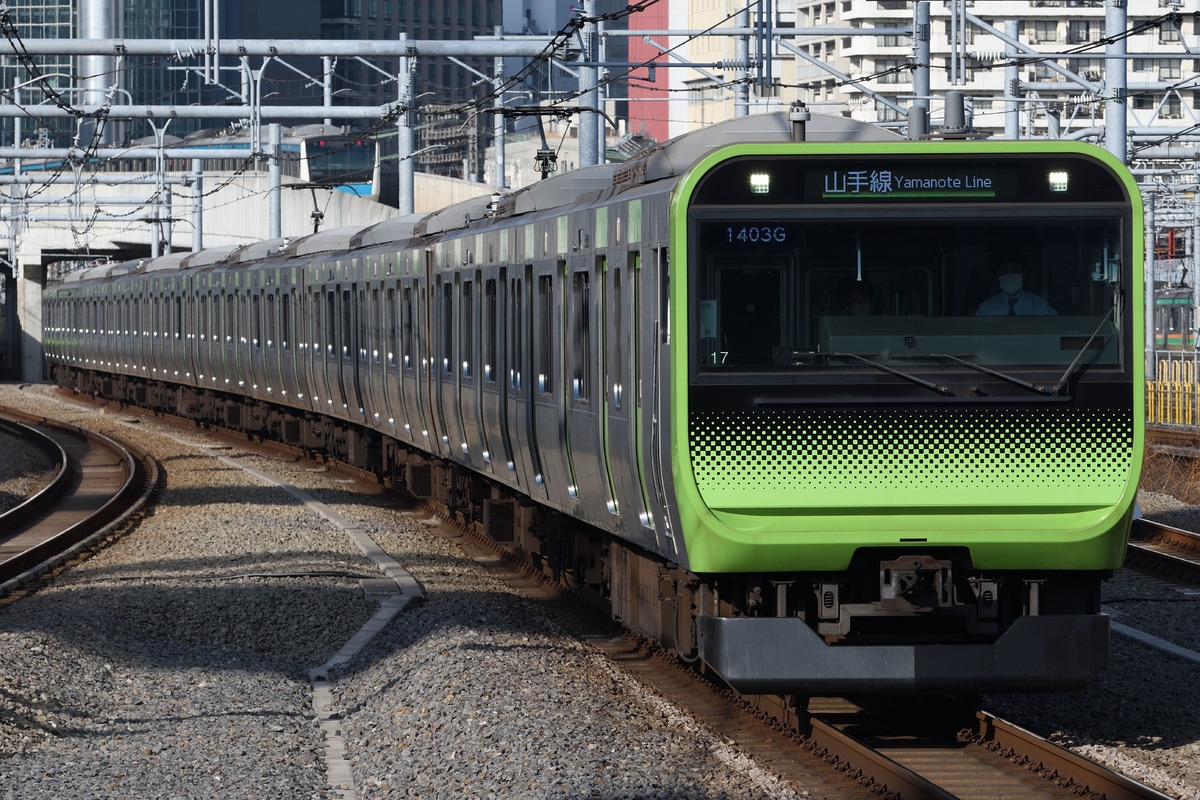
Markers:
{"x": 799, "y": 116}
{"x": 954, "y": 116}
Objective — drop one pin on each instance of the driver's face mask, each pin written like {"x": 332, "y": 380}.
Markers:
{"x": 1011, "y": 283}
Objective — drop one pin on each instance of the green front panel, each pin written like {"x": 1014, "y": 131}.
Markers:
{"x": 1024, "y": 483}
{"x": 901, "y": 460}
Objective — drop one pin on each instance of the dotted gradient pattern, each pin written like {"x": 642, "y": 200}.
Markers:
{"x": 800, "y": 458}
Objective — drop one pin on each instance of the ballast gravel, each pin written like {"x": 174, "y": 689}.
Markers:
{"x": 174, "y": 664}
{"x": 23, "y": 470}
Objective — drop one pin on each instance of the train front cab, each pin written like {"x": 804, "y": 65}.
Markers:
{"x": 909, "y": 496}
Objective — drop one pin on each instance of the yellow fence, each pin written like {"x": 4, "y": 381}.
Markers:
{"x": 1173, "y": 399}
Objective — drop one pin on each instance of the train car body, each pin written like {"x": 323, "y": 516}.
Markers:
{"x": 1175, "y": 319}
{"x": 651, "y": 380}
{"x": 314, "y": 155}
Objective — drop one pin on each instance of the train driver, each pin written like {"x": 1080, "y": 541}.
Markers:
{"x": 1013, "y": 300}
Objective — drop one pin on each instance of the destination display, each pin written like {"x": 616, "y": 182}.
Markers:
{"x": 875, "y": 179}
{"x": 849, "y": 183}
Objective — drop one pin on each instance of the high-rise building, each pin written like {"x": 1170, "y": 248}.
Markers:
{"x": 182, "y": 81}
{"x": 1033, "y": 67}
{"x": 42, "y": 19}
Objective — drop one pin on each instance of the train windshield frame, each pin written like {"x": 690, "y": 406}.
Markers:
{"x": 336, "y": 160}
{"x": 848, "y": 266}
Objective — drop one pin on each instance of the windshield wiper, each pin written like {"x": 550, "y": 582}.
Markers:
{"x": 1070, "y": 371}
{"x": 919, "y": 381}
{"x": 1013, "y": 379}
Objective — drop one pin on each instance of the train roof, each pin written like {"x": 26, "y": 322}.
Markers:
{"x": 100, "y": 271}
{"x": 671, "y": 158}
{"x": 169, "y": 261}
{"x": 207, "y": 257}
{"x": 581, "y": 186}
{"x": 397, "y": 229}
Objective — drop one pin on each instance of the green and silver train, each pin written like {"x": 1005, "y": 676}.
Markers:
{"x": 824, "y": 410}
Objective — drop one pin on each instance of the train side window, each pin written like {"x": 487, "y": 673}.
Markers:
{"x": 544, "y": 343}
{"x": 376, "y": 319}
{"x": 489, "y": 330}
{"x": 390, "y": 343}
{"x": 242, "y": 332}
{"x": 516, "y": 342}
{"x": 367, "y": 324}
{"x": 406, "y": 329}
{"x": 347, "y": 324}
{"x": 272, "y": 321}
{"x": 178, "y": 317}
{"x": 447, "y": 327}
{"x": 285, "y": 319}
{"x": 581, "y": 335}
{"x": 255, "y": 322}
{"x": 612, "y": 336}
{"x": 330, "y": 317}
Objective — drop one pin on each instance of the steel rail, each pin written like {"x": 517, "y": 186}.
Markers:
{"x": 87, "y": 508}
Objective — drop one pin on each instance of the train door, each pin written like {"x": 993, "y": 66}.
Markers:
{"x": 654, "y": 404}
{"x": 519, "y": 384}
{"x": 428, "y": 348}
{"x": 272, "y": 366}
{"x": 360, "y": 361}
{"x": 155, "y": 341}
{"x": 390, "y": 351}
{"x": 204, "y": 332}
{"x": 103, "y": 341}
{"x": 229, "y": 334}
{"x": 549, "y": 390}
{"x": 167, "y": 327}
{"x": 166, "y": 341}
{"x": 256, "y": 345}
{"x": 138, "y": 344}
{"x": 293, "y": 378}
{"x": 412, "y": 365}
{"x": 301, "y": 341}
{"x": 172, "y": 306}
{"x": 320, "y": 339}
{"x": 382, "y": 357}
{"x": 468, "y": 372}
{"x": 645, "y": 344}
{"x": 271, "y": 340}
{"x": 583, "y": 452}
{"x": 341, "y": 364}
{"x": 306, "y": 333}
{"x": 242, "y": 346}
{"x": 445, "y": 383}
{"x": 493, "y": 347}
{"x": 378, "y": 351}
{"x": 181, "y": 330}
{"x": 619, "y": 342}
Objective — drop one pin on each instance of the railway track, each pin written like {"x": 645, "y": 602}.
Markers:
{"x": 98, "y": 486}
{"x": 1169, "y": 552}
{"x": 930, "y": 748}
{"x": 831, "y": 747}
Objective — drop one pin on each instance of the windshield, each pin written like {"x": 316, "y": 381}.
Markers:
{"x": 337, "y": 160}
{"x": 778, "y": 293}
